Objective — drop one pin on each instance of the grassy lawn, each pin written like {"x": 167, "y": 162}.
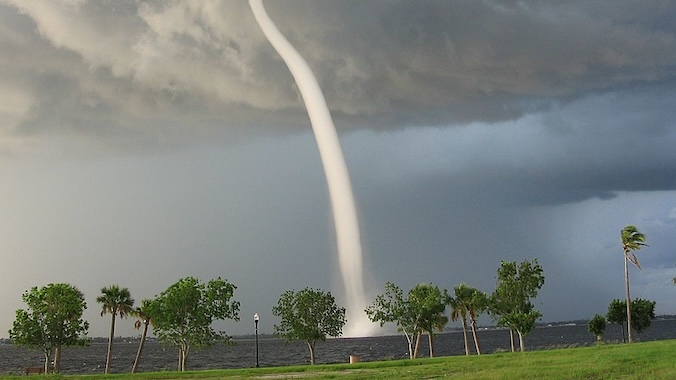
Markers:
{"x": 649, "y": 360}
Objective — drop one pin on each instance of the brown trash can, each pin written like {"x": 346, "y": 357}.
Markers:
{"x": 354, "y": 359}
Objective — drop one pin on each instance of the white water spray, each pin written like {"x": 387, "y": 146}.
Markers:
{"x": 335, "y": 169}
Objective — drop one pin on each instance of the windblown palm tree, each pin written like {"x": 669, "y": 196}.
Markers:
{"x": 477, "y": 305}
{"x": 632, "y": 240}
{"x": 459, "y": 311}
{"x": 468, "y": 301}
{"x": 144, "y": 320}
{"x": 115, "y": 301}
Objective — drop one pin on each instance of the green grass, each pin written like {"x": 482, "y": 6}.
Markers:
{"x": 648, "y": 360}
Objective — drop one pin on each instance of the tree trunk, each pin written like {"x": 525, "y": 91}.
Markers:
{"x": 430, "y": 340}
{"x": 511, "y": 338}
{"x": 409, "y": 340}
{"x": 417, "y": 345}
{"x": 137, "y": 359}
{"x": 521, "y": 342}
{"x": 109, "y": 355}
{"x": 183, "y": 355}
{"x": 626, "y": 281}
{"x": 474, "y": 335}
{"x": 311, "y": 346}
{"x": 48, "y": 357}
{"x": 464, "y": 336}
{"x": 181, "y": 363}
{"x": 57, "y": 360}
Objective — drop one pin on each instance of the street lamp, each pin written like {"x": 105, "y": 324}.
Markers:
{"x": 256, "y": 319}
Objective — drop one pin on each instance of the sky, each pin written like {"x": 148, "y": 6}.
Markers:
{"x": 146, "y": 141}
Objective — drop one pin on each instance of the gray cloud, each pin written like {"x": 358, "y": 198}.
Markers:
{"x": 165, "y": 139}
{"x": 383, "y": 64}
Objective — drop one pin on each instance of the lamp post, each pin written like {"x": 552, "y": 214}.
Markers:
{"x": 256, "y": 319}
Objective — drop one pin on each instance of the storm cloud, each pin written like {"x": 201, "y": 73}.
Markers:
{"x": 144, "y": 141}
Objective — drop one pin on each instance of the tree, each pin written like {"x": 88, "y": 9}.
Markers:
{"x": 52, "y": 320}
{"x": 392, "y": 307}
{"x": 429, "y": 303}
{"x": 642, "y": 314}
{"x": 478, "y": 305}
{"x": 308, "y": 315}
{"x": 114, "y": 301}
{"x": 421, "y": 311}
{"x": 144, "y": 319}
{"x": 511, "y": 303}
{"x": 597, "y": 326}
{"x": 617, "y": 314}
{"x": 632, "y": 240}
{"x": 459, "y": 311}
{"x": 182, "y": 315}
{"x": 470, "y": 302}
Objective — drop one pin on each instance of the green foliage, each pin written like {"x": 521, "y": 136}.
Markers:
{"x": 642, "y": 313}
{"x": 429, "y": 304}
{"x": 422, "y": 310}
{"x": 597, "y": 326}
{"x": 182, "y": 315}
{"x": 617, "y": 312}
{"x": 391, "y": 307}
{"x": 632, "y": 240}
{"x": 511, "y": 303}
{"x": 115, "y": 301}
{"x": 308, "y": 315}
{"x": 52, "y": 320}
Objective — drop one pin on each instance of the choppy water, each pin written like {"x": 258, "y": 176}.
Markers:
{"x": 274, "y": 352}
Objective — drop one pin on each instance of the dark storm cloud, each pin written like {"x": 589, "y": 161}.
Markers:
{"x": 441, "y": 62}
{"x": 161, "y": 139}
{"x": 381, "y": 64}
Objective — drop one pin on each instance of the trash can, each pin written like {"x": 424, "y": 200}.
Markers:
{"x": 354, "y": 359}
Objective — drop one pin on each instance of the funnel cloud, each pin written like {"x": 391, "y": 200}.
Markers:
{"x": 337, "y": 176}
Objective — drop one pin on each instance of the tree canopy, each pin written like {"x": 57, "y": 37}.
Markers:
{"x": 52, "y": 320}
{"x": 511, "y": 302}
{"x": 308, "y": 315}
{"x": 597, "y": 326}
{"x": 421, "y": 310}
{"x": 642, "y": 313}
{"x": 183, "y": 314}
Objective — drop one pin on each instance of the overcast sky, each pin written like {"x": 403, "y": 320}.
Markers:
{"x": 146, "y": 141}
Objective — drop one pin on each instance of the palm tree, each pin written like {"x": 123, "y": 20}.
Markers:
{"x": 478, "y": 304}
{"x": 470, "y": 302}
{"x": 144, "y": 320}
{"x": 116, "y": 301}
{"x": 459, "y": 311}
{"x": 632, "y": 240}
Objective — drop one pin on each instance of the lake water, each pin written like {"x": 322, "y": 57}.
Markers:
{"x": 274, "y": 352}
